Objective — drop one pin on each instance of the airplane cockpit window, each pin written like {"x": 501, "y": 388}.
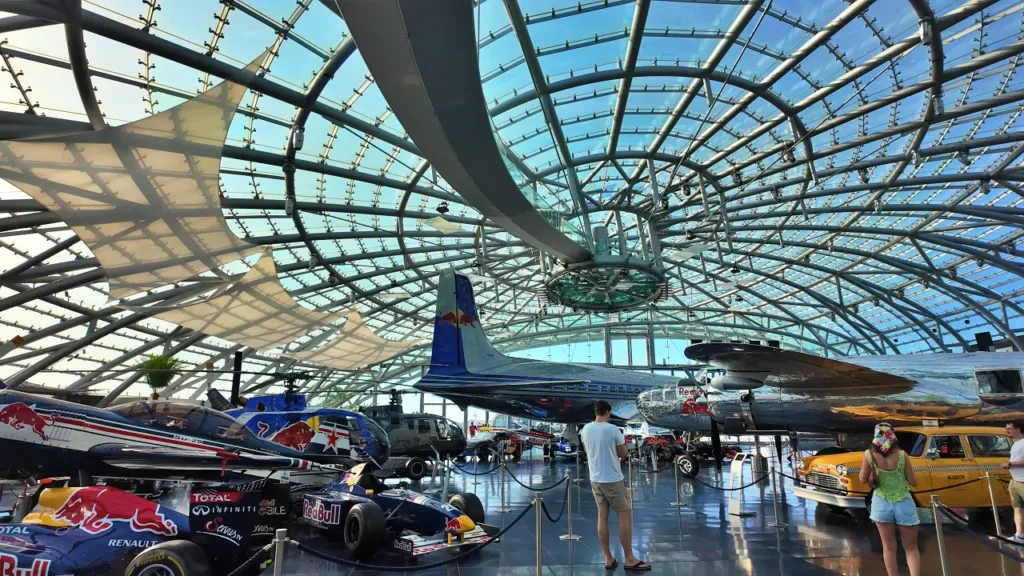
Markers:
{"x": 671, "y": 394}
{"x": 184, "y": 417}
{"x": 999, "y": 382}
{"x": 410, "y": 424}
{"x": 948, "y": 447}
{"x": 423, "y": 426}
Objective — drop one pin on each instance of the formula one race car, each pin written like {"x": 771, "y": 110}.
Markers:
{"x": 369, "y": 515}
{"x": 565, "y": 449}
{"x": 104, "y": 530}
{"x": 490, "y": 443}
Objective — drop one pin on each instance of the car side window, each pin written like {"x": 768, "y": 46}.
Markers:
{"x": 948, "y": 446}
{"x": 989, "y": 445}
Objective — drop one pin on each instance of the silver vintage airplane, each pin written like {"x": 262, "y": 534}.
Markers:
{"x": 465, "y": 369}
{"x": 776, "y": 391}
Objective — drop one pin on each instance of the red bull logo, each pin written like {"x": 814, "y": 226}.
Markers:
{"x": 9, "y": 566}
{"x": 453, "y": 526}
{"x": 94, "y": 509}
{"x": 20, "y": 416}
{"x": 457, "y": 318}
{"x": 296, "y": 435}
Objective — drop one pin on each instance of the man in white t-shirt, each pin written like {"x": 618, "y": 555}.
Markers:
{"x": 1015, "y": 430}
{"x": 605, "y": 447}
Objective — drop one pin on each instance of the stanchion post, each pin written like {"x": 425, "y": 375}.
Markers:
{"x": 939, "y": 536}
{"x": 538, "y": 504}
{"x": 675, "y": 482}
{"x": 280, "y": 539}
{"x": 776, "y": 522}
{"x": 995, "y": 509}
{"x": 476, "y": 482}
{"x": 568, "y": 496}
{"x": 502, "y": 508}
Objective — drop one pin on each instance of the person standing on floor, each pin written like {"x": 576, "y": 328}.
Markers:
{"x": 886, "y": 467}
{"x": 605, "y": 447}
{"x": 1015, "y": 430}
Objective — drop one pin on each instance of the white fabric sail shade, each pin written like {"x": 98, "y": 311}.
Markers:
{"x": 355, "y": 347}
{"x": 256, "y": 312}
{"x": 145, "y": 196}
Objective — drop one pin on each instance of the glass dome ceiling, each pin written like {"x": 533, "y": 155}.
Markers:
{"x": 828, "y": 178}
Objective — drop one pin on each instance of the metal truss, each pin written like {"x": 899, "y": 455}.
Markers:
{"x": 851, "y": 188}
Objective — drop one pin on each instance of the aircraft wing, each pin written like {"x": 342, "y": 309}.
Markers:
{"x": 476, "y": 383}
{"x": 164, "y": 459}
{"x": 795, "y": 371}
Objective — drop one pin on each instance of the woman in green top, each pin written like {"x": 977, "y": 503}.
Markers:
{"x": 887, "y": 468}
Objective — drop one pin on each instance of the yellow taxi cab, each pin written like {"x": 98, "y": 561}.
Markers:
{"x": 941, "y": 456}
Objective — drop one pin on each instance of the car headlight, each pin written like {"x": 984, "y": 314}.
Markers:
{"x": 841, "y": 469}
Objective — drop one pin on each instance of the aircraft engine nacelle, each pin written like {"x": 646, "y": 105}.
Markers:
{"x": 732, "y": 382}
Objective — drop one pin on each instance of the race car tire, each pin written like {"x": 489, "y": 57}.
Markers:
{"x": 365, "y": 526}
{"x": 688, "y": 465}
{"x": 470, "y": 506}
{"x": 176, "y": 557}
{"x": 483, "y": 456}
{"x": 415, "y": 468}
{"x": 517, "y": 453}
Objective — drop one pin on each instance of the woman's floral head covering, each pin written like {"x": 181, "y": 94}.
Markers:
{"x": 885, "y": 437}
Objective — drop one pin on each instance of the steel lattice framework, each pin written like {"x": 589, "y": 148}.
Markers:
{"x": 841, "y": 176}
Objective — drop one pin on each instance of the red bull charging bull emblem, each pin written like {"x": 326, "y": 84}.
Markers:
{"x": 94, "y": 509}
{"x": 457, "y": 318}
{"x": 21, "y": 416}
{"x": 453, "y": 526}
{"x": 296, "y": 435}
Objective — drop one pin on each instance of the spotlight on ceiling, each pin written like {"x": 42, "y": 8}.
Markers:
{"x": 734, "y": 270}
{"x": 963, "y": 158}
{"x": 690, "y": 235}
{"x": 442, "y": 208}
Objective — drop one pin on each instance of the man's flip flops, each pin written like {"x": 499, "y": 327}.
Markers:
{"x": 639, "y": 567}
{"x": 615, "y": 562}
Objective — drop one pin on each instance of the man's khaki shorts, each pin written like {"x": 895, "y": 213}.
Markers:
{"x": 611, "y": 494}
{"x": 1016, "y": 494}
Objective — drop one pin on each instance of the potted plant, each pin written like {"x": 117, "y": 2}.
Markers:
{"x": 159, "y": 370}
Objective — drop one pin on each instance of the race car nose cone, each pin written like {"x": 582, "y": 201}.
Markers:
{"x": 460, "y": 525}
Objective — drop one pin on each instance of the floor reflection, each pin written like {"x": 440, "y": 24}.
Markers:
{"x": 700, "y": 538}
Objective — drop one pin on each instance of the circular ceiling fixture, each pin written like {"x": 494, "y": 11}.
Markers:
{"x": 608, "y": 283}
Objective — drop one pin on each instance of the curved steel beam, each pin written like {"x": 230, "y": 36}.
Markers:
{"x": 423, "y": 59}
{"x": 80, "y": 63}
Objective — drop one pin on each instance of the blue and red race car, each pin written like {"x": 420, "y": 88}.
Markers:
{"x": 93, "y": 530}
{"x": 369, "y": 515}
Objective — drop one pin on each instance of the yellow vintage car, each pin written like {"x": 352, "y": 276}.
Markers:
{"x": 941, "y": 456}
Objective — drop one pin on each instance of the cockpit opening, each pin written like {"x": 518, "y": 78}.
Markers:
{"x": 999, "y": 382}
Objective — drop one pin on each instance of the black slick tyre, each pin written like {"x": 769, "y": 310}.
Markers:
{"x": 172, "y": 558}
{"x": 415, "y": 468}
{"x": 470, "y": 506}
{"x": 364, "y": 529}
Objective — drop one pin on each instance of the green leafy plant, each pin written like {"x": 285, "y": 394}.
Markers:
{"x": 159, "y": 370}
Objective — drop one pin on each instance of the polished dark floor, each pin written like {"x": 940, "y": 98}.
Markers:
{"x": 699, "y": 539}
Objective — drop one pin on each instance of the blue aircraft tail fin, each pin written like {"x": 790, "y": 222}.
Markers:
{"x": 460, "y": 344}
{"x": 2, "y": 385}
